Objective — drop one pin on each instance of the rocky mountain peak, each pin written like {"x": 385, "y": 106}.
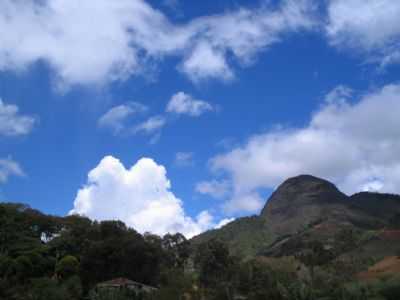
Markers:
{"x": 300, "y": 201}
{"x": 303, "y": 188}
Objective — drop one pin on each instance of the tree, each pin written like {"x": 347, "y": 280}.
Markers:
{"x": 49, "y": 289}
{"x": 119, "y": 252}
{"x": 259, "y": 281}
{"x": 71, "y": 239}
{"x": 314, "y": 255}
{"x": 67, "y": 267}
{"x": 346, "y": 239}
{"x": 216, "y": 268}
{"x": 390, "y": 289}
{"x": 214, "y": 262}
{"x": 6, "y": 266}
{"x": 23, "y": 267}
{"x": 177, "y": 250}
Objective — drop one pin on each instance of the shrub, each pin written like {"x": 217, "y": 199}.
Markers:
{"x": 67, "y": 267}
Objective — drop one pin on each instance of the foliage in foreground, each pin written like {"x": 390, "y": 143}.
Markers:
{"x": 45, "y": 258}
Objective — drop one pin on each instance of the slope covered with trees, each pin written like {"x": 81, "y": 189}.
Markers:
{"x": 310, "y": 242}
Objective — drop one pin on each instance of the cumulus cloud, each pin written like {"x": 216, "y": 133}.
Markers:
{"x": 370, "y": 26}
{"x": 182, "y": 103}
{"x": 9, "y": 167}
{"x": 140, "y": 196}
{"x": 116, "y": 118}
{"x": 12, "y": 123}
{"x": 98, "y": 41}
{"x": 353, "y": 141}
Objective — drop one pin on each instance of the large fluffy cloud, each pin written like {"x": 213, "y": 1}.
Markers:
{"x": 140, "y": 196}
{"x": 353, "y": 143}
{"x": 96, "y": 41}
{"x": 9, "y": 167}
{"x": 12, "y": 123}
{"x": 369, "y": 26}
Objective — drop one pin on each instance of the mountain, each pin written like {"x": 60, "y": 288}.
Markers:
{"x": 306, "y": 208}
{"x": 302, "y": 200}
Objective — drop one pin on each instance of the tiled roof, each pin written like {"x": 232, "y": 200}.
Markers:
{"x": 117, "y": 282}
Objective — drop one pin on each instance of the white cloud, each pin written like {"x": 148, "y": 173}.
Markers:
{"x": 240, "y": 203}
{"x": 206, "y": 62}
{"x": 119, "y": 120}
{"x": 216, "y": 189}
{"x": 224, "y": 222}
{"x": 182, "y": 103}
{"x": 140, "y": 196}
{"x": 98, "y": 41}
{"x": 367, "y": 26}
{"x": 353, "y": 143}
{"x": 9, "y": 167}
{"x": 12, "y": 123}
{"x": 239, "y": 36}
{"x": 115, "y": 118}
{"x": 151, "y": 125}
{"x": 184, "y": 159}
{"x": 375, "y": 185}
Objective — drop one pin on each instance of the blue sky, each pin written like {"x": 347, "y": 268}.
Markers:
{"x": 229, "y": 98}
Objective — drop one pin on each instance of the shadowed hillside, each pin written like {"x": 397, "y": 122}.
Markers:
{"x": 307, "y": 206}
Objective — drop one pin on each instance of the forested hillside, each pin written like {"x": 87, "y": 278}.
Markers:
{"x": 310, "y": 242}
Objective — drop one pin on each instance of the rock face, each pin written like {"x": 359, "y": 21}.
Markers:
{"x": 301, "y": 201}
{"x": 307, "y": 204}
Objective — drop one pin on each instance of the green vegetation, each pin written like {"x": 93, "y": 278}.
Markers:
{"x": 244, "y": 237}
{"x": 45, "y": 257}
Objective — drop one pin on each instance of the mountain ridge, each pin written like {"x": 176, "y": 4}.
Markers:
{"x": 299, "y": 204}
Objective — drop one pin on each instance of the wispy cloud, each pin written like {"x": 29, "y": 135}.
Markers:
{"x": 184, "y": 159}
{"x": 9, "y": 167}
{"x": 12, "y": 123}
{"x": 216, "y": 189}
{"x": 151, "y": 125}
{"x": 184, "y": 104}
{"x": 127, "y": 119}
{"x": 368, "y": 27}
{"x": 116, "y": 118}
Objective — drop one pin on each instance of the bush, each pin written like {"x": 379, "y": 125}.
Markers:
{"x": 6, "y": 266}
{"x": 390, "y": 289}
{"x": 67, "y": 267}
{"x": 47, "y": 289}
{"x": 23, "y": 267}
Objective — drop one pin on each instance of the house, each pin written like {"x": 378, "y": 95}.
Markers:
{"x": 123, "y": 284}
